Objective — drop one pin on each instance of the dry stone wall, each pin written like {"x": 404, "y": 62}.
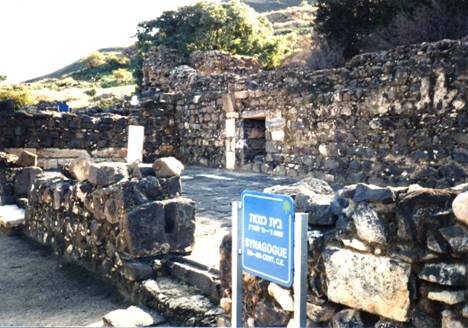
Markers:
{"x": 377, "y": 257}
{"x": 58, "y": 138}
{"x": 396, "y": 117}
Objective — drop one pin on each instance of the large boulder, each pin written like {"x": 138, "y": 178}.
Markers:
{"x": 168, "y": 167}
{"x": 376, "y": 284}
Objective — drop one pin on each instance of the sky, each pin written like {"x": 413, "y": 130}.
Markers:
{"x": 38, "y": 37}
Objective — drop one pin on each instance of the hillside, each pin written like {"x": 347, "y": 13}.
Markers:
{"x": 292, "y": 19}
{"x": 271, "y": 5}
{"x": 76, "y": 66}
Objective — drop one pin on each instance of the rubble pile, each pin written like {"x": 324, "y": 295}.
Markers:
{"x": 378, "y": 257}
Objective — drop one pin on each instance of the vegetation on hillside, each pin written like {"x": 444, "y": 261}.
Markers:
{"x": 229, "y": 26}
{"x": 273, "y": 5}
{"x": 369, "y": 25}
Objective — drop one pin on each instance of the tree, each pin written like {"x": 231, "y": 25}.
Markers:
{"x": 3, "y": 78}
{"x": 346, "y": 22}
{"x": 229, "y": 26}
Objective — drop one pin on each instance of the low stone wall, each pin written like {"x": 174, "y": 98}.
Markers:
{"x": 378, "y": 257}
{"x": 58, "y": 138}
{"x": 108, "y": 219}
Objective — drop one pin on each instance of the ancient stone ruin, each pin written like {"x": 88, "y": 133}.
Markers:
{"x": 380, "y": 146}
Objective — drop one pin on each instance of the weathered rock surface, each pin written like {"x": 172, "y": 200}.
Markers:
{"x": 449, "y": 320}
{"x": 447, "y": 296}
{"x": 269, "y": 315}
{"x": 168, "y": 167}
{"x": 347, "y": 319}
{"x": 160, "y": 227}
{"x": 26, "y": 159}
{"x": 7, "y": 160}
{"x": 312, "y": 196}
{"x": 282, "y": 296}
{"x": 130, "y": 317}
{"x": 372, "y": 193}
{"x": 445, "y": 273}
{"x": 369, "y": 225}
{"x": 457, "y": 237}
{"x": 104, "y": 174}
{"x": 320, "y": 313}
{"x": 24, "y": 180}
{"x": 460, "y": 207}
{"x": 79, "y": 169}
{"x": 376, "y": 284}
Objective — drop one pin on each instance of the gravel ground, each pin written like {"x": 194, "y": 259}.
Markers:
{"x": 39, "y": 289}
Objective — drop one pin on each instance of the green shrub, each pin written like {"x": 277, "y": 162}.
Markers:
{"x": 94, "y": 59}
{"x": 229, "y": 26}
{"x": 90, "y": 92}
{"x": 122, "y": 75}
{"x": 3, "y": 78}
{"x": 20, "y": 96}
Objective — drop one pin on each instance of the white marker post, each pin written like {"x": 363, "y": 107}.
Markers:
{"x": 236, "y": 270}
{"x": 136, "y": 137}
{"x": 300, "y": 268}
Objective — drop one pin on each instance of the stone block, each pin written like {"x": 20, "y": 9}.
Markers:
{"x": 369, "y": 226}
{"x": 457, "y": 237}
{"x": 130, "y": 317}
{"x": 347, "y": 319}
{"x": 160, "y": 227}
{"x": 168, "y": 167}
{"x": 320, "y": 313}
{"x": 376, "y": 284}
{"x": 372, "y": 193}
{"x": 282, "y": 296}
{"x": 62, "y": 153}
{"x": 24, "y": 180}
{"x": 27, "y": 158}
{"x": 137, "y": 271}
{"x": 107, "y": 173}
{"x": 450, "y": 297}
{"x": 447, "y": 274}
{"x": 79, "y": 169}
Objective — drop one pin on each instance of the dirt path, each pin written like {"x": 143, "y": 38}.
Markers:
{"x": 39, "y": 289}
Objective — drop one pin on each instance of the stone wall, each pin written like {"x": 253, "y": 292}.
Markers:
{"x": 377, "y": 257}
{"x": 396, "y": 117}
{"x": 124, "y": 222}
{"x": 58, "y": 138}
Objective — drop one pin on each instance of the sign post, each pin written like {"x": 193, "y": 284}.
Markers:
{"x": 236, "y": 270}
{"x": 269, "y": 241}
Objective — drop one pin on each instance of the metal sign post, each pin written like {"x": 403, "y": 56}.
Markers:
{"x": 236, "y": 270}
{"x": 300, "y": 269}
{"x": 270, "y": 242}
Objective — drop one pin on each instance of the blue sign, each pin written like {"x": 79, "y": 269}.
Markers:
{"x": 267, "y": 236}
{"x": 63, "y": 107}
